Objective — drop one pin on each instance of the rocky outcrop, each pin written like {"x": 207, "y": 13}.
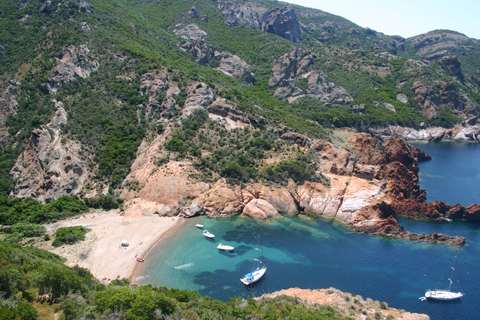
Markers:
{"x": 222, "y": 112}
{"x": 193, "y": 13}
{"x": 247, "y": 13}
{"x": 290, "y": 65}
{"x": 201, "y": 51}
{"x": 389, "y": 227}
{"x": 453, "y": 65}
{"x": 459, "y": 133}
{"x": 75, "y": 62}
{"x": 49, "y": 168}
{"x": 154, "y": 87}
{"x": 318, "y": 87}
{"x": 190, "y": 32}
{"x": 232, "y": 66}
{"x": 290, "y": 74}
{"x": 434, "y": 41}
{"x": 2, "y": 53}
{"x": 364, "y": 186}
{"x": 8, "y": 102}
{"x": 450, "y": 97}
{"x": 199, "y": 96}
{"x": 344, "y": 303}
{"x": 282, "y": 22}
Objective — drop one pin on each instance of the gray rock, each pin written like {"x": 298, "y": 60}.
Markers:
{"x": 282, "y": 22}
{"x": 390, "y": 107}
{"x": 288, "y": 66}
{"x": 402, "y": 97}
{"x": 193, "y": 13}
{"x": 49, "y": 168}
{"x": 232, "y": 66}
{"x": 202, "y": 52}
{"x": 76, "y": 62}
{"x": 190, "y": 32}
{"x": 248, "y": 14}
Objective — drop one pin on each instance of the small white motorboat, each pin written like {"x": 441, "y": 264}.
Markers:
{"x": 198, "y": 225}
{"x": 225, "y": 247}
{"x": 208, "y": 234}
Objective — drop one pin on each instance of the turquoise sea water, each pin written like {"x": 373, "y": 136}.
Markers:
{"x": 321, "y": 253}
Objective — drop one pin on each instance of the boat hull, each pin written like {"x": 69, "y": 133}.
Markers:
{"x": 253, "y": 276}
{"x": 443, "y": 295}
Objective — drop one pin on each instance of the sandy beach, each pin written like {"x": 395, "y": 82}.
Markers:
{"x": 101, "y": 251}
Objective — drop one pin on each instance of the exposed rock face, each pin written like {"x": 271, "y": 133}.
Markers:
{"x": 190, "y": 32}
{"x": 282, "y": 22}
{"x": 199, "y": 96}
{"x": 200, "y": 50}
{"x": 454, "y": 65}
{"x": 247, "y": 13}
{"x": 2, "y": 53}
{"x": 290, "y": 65}
{"x": 433, "y": 41}
{"x": 450, "y": 96}
{"x": 344, "y": 303}
{"x": 221, "y": 112}
{"x": 82, "y": 6}
{"x": 456, "y": 100}
{"x": 297, "y": 138}
{"x": 295, "y": 64}
{"x": 318, "y": 87}
{"x": 459, "y": 133}
{"x": 76, "y": 62}
{"x": 193, "y": 13}
{"x": 232, "y": 66}
{"x": 48, "y": 168}
{"x": 154, "y": 86}
{"x": 260, "y": 209}
{"x": 426, "y": 98}
{"x": 8, "y": 104}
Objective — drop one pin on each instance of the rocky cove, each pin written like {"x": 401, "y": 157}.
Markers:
{"x": 369, "y": 184}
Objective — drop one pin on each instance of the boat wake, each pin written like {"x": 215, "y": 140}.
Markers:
{"x": 184, "y": 266}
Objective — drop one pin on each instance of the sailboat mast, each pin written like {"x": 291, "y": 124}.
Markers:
{"x": 261, "y": 250}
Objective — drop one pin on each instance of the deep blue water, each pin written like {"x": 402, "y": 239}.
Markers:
{"x": 453, "y": 175}
{"x": 321, "y": 253}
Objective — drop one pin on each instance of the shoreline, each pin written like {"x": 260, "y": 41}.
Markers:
{"x": 136, "y": 273}
{"x": 101, "y": 251}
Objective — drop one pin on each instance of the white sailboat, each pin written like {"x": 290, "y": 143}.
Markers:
{"x": 445, "y": 294}
{"x": 259, "y": 268}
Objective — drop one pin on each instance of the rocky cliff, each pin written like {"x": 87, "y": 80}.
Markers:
{"x": 345, "y": 303}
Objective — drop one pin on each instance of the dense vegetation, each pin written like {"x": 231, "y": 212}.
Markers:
{"x": 130, "y": 38}
{"x": 108, "y": 117}
{"x": 35, "y": 284}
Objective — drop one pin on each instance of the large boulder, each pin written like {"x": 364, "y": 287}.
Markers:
{"x": 232, "y": 66}
{"x": 259, "y": 209}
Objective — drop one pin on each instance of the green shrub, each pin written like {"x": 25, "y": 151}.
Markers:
{"x": 69, "y": 235}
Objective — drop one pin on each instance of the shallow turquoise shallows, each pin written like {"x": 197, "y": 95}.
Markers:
{"x": 318, "y": 253}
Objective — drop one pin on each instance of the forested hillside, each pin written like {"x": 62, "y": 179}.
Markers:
{"x": 103, "y": 102}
